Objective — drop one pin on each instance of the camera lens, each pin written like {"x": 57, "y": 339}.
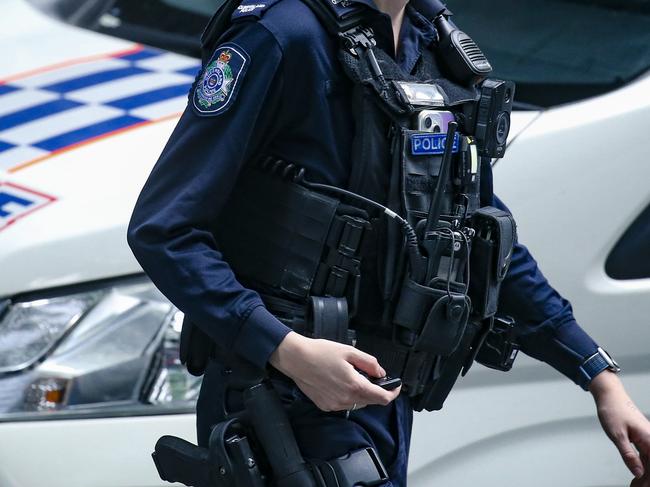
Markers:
{"x": 428, "y": 122}
{"x": 503, "y": 128}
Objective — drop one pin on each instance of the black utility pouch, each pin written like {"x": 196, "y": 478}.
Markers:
{"x": 433, "y": 319}
{"x": 496, "y": 234}
{"x": 500, "y": 348}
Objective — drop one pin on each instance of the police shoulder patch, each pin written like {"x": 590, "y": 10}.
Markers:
{"x": 218, "y": 83}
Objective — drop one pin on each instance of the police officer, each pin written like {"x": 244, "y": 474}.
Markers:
{"x": 274, "y": 85}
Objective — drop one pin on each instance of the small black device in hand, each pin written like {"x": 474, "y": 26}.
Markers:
{"x": 387, "y": 383}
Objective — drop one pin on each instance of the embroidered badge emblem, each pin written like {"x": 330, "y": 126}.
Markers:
{"x": 215, "y": 89}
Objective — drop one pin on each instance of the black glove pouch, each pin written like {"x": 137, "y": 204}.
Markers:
{"x": 490, "y": 257}
{"x": 435, "y": 318}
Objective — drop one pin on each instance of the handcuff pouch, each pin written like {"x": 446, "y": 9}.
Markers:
{"x": 490, "y": 257}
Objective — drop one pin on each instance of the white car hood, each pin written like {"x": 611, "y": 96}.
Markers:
{"x": 83, "y": 118}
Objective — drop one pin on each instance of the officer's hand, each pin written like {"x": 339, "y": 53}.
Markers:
{"x": 625, "y": 425}
{"x": 325, "y": 371}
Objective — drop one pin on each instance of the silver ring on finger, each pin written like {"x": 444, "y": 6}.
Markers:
{"x": 347, "y": 413}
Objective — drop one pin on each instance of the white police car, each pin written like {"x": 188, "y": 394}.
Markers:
{"x": 89, "y": 92}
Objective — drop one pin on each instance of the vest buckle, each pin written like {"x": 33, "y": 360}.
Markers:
{"x": 358, "y": 37}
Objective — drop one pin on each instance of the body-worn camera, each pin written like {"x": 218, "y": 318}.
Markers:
{"x": 488, "y": 120}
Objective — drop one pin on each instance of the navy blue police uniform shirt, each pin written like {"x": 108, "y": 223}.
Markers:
{"x": 274, "y": 86}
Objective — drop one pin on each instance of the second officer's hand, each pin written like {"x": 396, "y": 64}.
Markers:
{"x": 325, "y": 371}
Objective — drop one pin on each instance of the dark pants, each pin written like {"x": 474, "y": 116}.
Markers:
{"x": 320, "y": 435}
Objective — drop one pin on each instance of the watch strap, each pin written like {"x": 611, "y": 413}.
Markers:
{"x": 596, "y": 363}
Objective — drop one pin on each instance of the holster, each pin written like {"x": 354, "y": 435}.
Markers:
{"x": 229, "y": 461}
{"x": 257, "y": 448}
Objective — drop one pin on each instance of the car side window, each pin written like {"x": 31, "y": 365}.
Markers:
{"x": 630, "y": 257}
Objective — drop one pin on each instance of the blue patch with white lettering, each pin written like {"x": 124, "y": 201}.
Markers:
{"x": 431, "y": 144}
{"x": 218, "y": 83}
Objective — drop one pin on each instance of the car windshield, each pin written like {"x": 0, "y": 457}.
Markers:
{"x": 557, "y": 51}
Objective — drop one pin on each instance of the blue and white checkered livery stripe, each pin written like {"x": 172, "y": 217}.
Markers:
{"x": 57, "y": 108}
{"x": 18, "y": 201}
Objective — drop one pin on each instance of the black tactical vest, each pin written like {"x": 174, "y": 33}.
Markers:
{"x": 406, "y": 261}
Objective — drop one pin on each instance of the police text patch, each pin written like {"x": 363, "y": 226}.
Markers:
{"x": 429, "y": 144}
{"x": 217, "y": 85}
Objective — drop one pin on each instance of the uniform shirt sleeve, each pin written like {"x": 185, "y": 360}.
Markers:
{"x": 547, "y": 329}
{"x": 172, "y": 225}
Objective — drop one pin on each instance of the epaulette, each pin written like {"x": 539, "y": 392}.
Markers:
{"x": 230, "y": 11}
{"x": 252, "y": 8}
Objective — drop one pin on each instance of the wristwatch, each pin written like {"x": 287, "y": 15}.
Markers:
{"x": 596, "y": 363}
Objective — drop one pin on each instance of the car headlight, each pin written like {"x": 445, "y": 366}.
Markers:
{"x": 29, "y": 330}
{"x": 110, "y": 348}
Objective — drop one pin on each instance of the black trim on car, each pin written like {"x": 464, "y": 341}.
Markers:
{"x": 630, "y": 257}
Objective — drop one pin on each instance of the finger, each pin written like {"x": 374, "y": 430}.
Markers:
{"x": 366, "y": 363}
{"x": 642, "y": 442}
{"x": 643, "y": 445}
{"x": 629, "y": 455}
